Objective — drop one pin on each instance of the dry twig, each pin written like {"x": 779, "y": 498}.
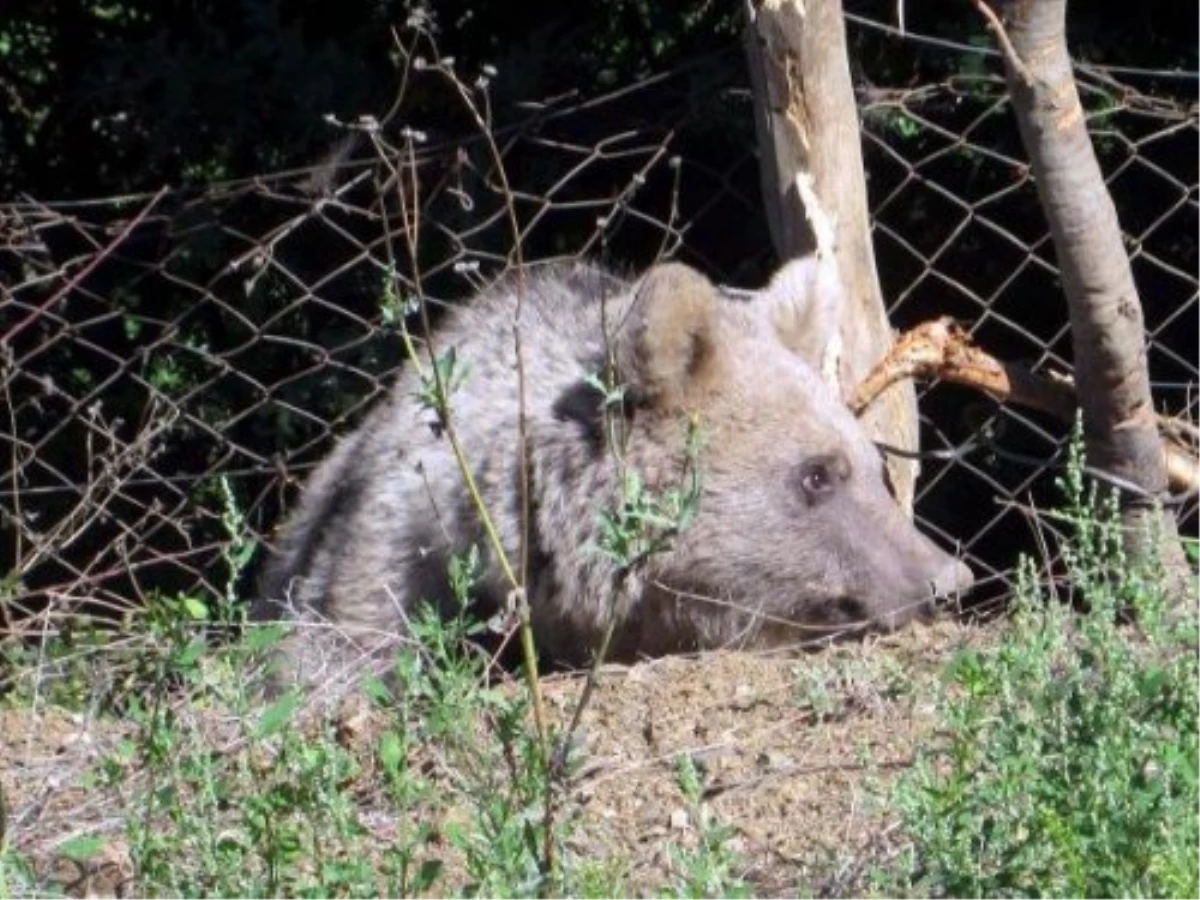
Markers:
{"x": 943, "y": 349}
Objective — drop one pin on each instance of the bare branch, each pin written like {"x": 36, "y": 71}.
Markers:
{"x": 943, "y": 349}
{"x": 1010, "y": 52}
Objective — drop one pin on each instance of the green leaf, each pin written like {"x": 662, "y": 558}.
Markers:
{"x": 83, "y": 847}
{"x": 391, "y": 751}
{"x": 427, "y": 875}
{"x": 196, "y": 609}
{"x": 264, "y": 637}
{"x": 279, "y": 713}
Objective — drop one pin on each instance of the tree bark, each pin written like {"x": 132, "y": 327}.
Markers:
{"x": 808, "y": 127}
{"x": 1107, "y": 332}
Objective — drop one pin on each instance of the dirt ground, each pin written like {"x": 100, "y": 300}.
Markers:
{"x": 796, "y": 753}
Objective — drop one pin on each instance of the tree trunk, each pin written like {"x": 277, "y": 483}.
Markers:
{"x": 1108, "y": 339}
{"x": 808, "y": 126}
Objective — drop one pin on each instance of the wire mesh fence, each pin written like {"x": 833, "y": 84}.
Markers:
{"x": 174, "y": 363}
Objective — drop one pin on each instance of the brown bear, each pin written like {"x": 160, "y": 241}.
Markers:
{"x": 794, "y": 534}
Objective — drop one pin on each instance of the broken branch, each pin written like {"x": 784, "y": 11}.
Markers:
{"x": 943, "y": 349}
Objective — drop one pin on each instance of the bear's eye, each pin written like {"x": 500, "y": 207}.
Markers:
{"x": 820, "y": 475}
{"x": 817, "y": 479}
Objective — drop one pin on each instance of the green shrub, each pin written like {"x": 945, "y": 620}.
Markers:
{"x": 1070, "y": 761}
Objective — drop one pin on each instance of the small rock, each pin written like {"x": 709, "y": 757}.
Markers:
{"x": 680, "y": 820}
{"x": 744, "y": 697}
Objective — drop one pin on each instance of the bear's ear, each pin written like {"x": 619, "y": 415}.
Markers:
{"x": 804, "y": 302}
{"x": 667, "y": 338}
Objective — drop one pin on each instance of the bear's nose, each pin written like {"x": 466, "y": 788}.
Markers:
{"x": 953, "y": 580}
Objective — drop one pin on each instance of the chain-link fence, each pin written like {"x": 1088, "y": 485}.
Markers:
{"x": 174, "y": 363}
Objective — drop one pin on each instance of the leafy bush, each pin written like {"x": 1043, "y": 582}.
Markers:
{"x": 1071, "y": 755}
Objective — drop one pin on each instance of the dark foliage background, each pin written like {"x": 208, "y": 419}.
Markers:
{"x": 104, "y": 98}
